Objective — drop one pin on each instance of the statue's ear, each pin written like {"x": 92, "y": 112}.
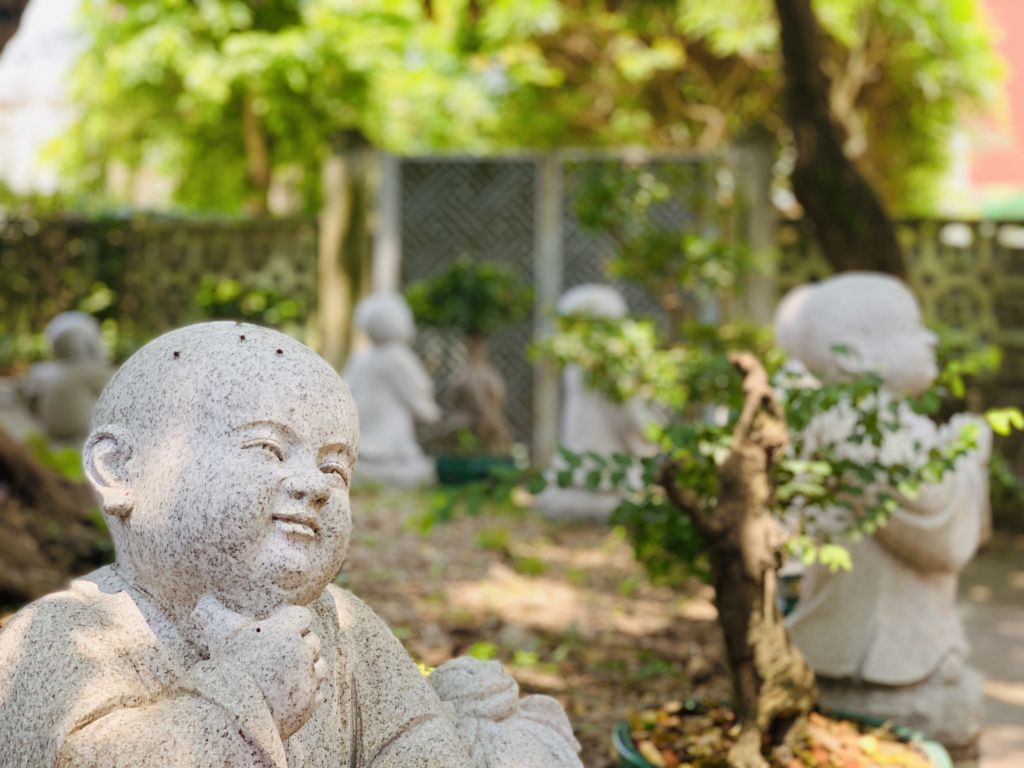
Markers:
{"x": 106, "y": 458}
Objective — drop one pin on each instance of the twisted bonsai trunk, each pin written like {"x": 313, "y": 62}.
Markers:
{"x": 773, "y": 685}
{"x": 479, "y": 393}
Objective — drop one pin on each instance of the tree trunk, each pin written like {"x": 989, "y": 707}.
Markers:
{"x": 10, "y": 17}
{"x": 346, "y": 241}
{"x": 479, "y": 403}
{"x": 257, "y": 158}
{"x": 774, "y": 687}
{"x": 848, "y": 216}
{"x": 46, "y": 535}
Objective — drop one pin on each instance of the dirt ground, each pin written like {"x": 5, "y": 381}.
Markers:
{"x": 565, "y": 608}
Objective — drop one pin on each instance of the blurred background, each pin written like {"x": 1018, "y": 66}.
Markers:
{"x": 164, "y": 161}
{"x": 168, "y": 161}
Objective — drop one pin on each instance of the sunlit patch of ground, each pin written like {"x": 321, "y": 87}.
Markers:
{"x": 992, "y": 604}
{"x": 565, "y": 608}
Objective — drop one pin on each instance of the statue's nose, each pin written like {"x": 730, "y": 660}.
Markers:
{"x": 312, "y": 490}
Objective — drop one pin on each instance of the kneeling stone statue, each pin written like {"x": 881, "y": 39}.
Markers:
{"x": 885, "y": 638}
{"x": 221, "y": 455}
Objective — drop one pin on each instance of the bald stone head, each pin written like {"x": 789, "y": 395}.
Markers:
{"x": 76, "y": 336}
{"x": 856, "y": 323}
{"x": 593, "y": 300}
{"x": 221, "y": 454}
{"x": 385, "y": 318}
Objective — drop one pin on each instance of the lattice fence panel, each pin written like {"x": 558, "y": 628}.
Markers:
{"x": 171, "y": 261}
{"x": 485, "y": 210}
{"x": 586, "y": 254}
{"x": 152, "y": 268}
{"x": 968, "y": 275}
{"x": 482, "y": 210}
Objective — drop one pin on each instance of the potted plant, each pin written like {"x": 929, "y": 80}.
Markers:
{"x": 473, "y": 299}
{"x": 713, "y": 494}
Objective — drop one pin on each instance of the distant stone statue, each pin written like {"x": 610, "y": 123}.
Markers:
{"x": 221, "y": 455}
{"x": 885, "y": 638}
{"x": 392, "y": 392}
{"x": 591, "y": 421}
{"x": 61, "y": 393}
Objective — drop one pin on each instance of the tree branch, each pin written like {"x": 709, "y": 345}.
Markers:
{"x": 759, "y": 395}
{"x": 686, "y": 500}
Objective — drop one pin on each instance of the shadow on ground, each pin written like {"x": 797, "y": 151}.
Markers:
{"x": 565, "y": 608}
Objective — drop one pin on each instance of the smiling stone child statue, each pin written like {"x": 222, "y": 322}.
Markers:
{"x": 221, "y": 455}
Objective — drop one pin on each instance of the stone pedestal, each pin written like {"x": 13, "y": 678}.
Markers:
{"x": 945, "y": 708}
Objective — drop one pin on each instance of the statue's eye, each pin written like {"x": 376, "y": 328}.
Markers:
{"x": 333, "y": 468}
{"x": 267, "y": 445}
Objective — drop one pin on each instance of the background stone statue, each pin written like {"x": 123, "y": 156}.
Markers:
{"x": 392, "y": 392}
{"x": 221, "y": 455}
{"x": 589, "y": 420}
{"x": 61, "y": 393}
{"x": 885, "y": 638}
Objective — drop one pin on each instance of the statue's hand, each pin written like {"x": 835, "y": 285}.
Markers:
{"x": 280, "y": 653}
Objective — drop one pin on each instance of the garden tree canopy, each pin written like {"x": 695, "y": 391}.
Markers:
{"x": 226, "y": 94}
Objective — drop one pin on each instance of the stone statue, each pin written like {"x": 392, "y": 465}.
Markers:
{"x": 392, "y": 393}
{"x": 221, "y": 455}
{"x": 485, "y": 704}
{"x": 61, "y": 393}
{"x": 885, "y": 638}
{"x": 590, "y": 421}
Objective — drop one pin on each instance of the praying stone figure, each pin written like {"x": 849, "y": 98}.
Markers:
{"x": 61, "y": 393}
{"x": 221, "y": 455}
{"x": 885, "y": 638}
{"x": 591, "y": 421}
{"x": 392, "y": 392}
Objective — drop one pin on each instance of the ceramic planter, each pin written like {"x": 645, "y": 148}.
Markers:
{"x": 459, "y": 470}
{"x": 629, "y": 757}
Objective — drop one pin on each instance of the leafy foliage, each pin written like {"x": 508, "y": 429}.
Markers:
{"x": 222, "y": 95}
{"x": 632, "y": 204}
{"x": 225, "y": 96}
{"x": 473, "y": 298}
{"x": 226, "y": 298}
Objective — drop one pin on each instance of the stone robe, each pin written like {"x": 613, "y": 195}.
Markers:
{"x": 892, "y": 619}
{"x": 593, "y": 422}
{"x": 91, "y": 677}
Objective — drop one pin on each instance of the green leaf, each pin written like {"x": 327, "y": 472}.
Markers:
{"x": 536, "y": 484}
{"x": 1005, "y": 420}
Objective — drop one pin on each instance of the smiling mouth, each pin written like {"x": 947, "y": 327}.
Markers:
{"x": 298, "y": 525}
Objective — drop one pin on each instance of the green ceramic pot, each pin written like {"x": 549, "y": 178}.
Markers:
{"x": 459, "y": 470}
{"x": 629, "y": 757}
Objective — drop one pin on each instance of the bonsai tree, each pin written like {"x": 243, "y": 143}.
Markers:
{"x": 712, "y": 499}
{"x": 474, "y": 300}
{"x": 716, "y": 492}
